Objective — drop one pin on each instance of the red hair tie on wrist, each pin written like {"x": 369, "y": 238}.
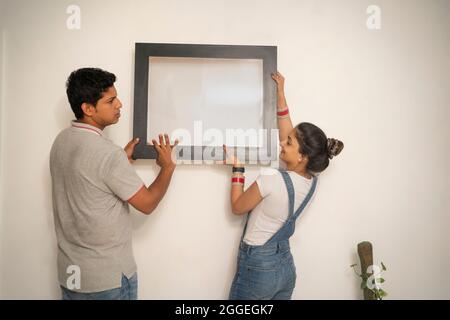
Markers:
{"x": 238, "y": 180}
{"x": 283, "y": 113}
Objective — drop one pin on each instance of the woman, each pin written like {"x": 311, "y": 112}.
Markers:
{"x": 266, "y": 268}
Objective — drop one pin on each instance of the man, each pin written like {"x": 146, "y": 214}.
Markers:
{"x": 92, "y": 184}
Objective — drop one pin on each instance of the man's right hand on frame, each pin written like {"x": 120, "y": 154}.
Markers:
{"x": 166, "y": 155}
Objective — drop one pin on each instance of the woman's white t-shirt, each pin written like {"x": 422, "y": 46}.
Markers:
{"x": 271, "y": 213}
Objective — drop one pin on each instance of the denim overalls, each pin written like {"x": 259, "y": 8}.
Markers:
{"x": 267, "y": 271}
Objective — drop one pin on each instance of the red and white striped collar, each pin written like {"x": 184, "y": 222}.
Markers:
{"x": 86, "y": 127}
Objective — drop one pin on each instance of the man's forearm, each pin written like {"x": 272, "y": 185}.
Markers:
{"x": 159, "y": 187}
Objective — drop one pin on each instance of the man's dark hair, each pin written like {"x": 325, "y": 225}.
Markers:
{"x": 87, "y": 85}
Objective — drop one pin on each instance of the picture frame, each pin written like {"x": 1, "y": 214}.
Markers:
{"x": 251, "y": 56}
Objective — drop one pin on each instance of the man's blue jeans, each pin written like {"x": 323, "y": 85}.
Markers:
{"x": 128, "y": 291}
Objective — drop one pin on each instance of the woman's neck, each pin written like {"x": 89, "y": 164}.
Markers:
{"x": 302, "y": 171}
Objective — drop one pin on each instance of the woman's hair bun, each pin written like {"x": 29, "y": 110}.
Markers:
{"x": 334, "y": 147}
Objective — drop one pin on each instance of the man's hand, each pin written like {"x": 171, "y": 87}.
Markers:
{"x": 147, "y": 199}
{"x": 164, "y": 150}
{"x": 129, "y": 149}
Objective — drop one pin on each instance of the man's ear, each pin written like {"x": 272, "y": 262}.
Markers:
{"x": 88, "y": 109}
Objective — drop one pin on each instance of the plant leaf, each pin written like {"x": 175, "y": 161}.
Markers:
{"x": 383, "y": 267}
{"x": 382, "y": 293}
{"x": 363, "y": 284}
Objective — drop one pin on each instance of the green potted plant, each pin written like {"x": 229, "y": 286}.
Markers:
{"x": 370, "y": 274}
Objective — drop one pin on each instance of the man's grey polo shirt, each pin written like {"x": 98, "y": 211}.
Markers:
{"x": 92, "y": 180}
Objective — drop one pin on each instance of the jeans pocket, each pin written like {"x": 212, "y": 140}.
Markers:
{"x": 262, "y": 282}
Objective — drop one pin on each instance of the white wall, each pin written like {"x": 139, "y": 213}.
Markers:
{"x": 2, "y": 82}
{"x": 384, "y": 93}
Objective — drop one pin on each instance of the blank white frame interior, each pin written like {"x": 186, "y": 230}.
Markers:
{"x": 188, "y": 97}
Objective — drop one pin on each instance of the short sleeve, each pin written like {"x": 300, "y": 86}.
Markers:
{"x": 120, "y": 176}
{"x": 265, "y": 180}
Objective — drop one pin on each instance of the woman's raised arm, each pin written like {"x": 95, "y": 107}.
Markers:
{"x": 284, "y": 119}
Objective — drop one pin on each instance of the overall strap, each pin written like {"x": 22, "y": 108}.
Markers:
{"x": 245, "y": 227}
{"x": 283, "y": 233}
{"x": 290, "y": 190}
{"x": 308, "y": 197}
{"x": 291, "y": 195}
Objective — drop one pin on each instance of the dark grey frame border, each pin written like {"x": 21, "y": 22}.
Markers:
{"x": 145, "y": 50}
